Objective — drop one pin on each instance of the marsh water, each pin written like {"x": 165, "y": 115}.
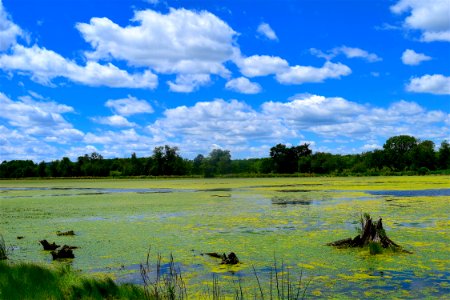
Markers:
{"x": 286, "y": 221}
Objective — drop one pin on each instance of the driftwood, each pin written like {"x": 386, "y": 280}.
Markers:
{"x": 64, "y": 252}
{"x": 372, "y": 235}
{"x": 47, "y": 246}
{"x": 62, "y": 233}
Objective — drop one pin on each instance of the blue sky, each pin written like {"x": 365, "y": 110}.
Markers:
{"x": 118, "y": 77}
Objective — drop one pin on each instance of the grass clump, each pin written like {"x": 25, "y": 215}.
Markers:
{"x": 3, "y": 249}
{"x": 31, "y": 281}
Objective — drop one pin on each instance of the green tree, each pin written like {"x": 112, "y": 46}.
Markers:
{"x": 399, "y": 151}
{"x": 219, "y": 161}
{"x": 424, "y": 156}
{"x": 65, "y": 167}
{"x": 286, "y": 159}
{"x": 444, "y": 156}
{"x": 167, "y": 161}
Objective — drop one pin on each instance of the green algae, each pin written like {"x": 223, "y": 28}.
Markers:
{"x": 114, "y": 230}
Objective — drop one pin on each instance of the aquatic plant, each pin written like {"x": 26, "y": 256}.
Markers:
{"x": 165, "y": 285}
{"x": 3, "y": 249}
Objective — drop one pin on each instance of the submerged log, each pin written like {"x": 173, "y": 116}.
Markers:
{"x": 47, "y": 246}
{"x": 372, "y": 235}
{"x": 64, "y": 252}
{"x": 62, "y": 233}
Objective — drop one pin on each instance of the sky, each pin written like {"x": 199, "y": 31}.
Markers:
{"x": 122, "y": 77}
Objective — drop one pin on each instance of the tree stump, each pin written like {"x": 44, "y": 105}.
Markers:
{"x": 64, "y": 252}
{"x": 47, "y": 246}
{"x": 372, "y": 235}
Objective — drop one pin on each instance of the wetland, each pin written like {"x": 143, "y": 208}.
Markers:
{"x": 261, "y": 220}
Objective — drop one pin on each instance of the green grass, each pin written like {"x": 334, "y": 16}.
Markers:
{"x": 32, "y": 281}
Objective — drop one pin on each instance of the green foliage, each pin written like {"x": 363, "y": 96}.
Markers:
{"x": 286, "y": 159}
{"x": 401, "y": 155}
{"x": 29, "y": 281}
{"x": 375, "y": 248}
{"x": 3, "y": 249}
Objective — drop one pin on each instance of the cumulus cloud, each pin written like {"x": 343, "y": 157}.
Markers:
{"x": 236, "y": 126}
{"x": 265, "y": 30}
{"x": 186, "y": 83}
{"x": 434, "y": 84}
{"x": 115, "y": 120}
{"x": 45, "y": 65}
{"x": 261, "y": 65}
{"x": 226, "y": 123}
{"x": 349, "y": 52}
{"x": 431, "y": 17}
{"x": 129, "y": 106}
{"x": 412, "y": 58}
{"x": 304, "y": 74}
{"x": 181, "y": 41}
{"x": 243, "y": 85}
{"x": 8, "y": 30}
{"x": 40, "y": 119}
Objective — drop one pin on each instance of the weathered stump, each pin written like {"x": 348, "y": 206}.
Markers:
{"x": 64, "y": 252}
{"x": 230, "y": 259}
{"x": 47, "y": 246}
{"x": 372, "y": 235}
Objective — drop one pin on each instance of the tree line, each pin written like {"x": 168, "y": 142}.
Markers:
{"x": 400, "y": 155}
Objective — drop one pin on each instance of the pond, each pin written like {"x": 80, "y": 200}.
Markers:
{"x": 283, "y": 220}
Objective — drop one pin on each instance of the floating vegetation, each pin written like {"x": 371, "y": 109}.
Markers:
{"x": 114, "y": 230}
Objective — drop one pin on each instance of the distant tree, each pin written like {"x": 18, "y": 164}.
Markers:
{"x": 65, "y": 167}
{"x": 42, "y": 169}
{"x": 444, "y": 155}
{"x": 286, "y": 159}
{"x": 198, "y": 165}
{"x": 167, "y": 161}
{"x": 399, "y": 151}
{"x": 219, "y": 161}
{"x": 424, "y": 156}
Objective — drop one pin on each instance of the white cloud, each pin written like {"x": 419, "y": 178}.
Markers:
{"x": 243, "y": 85}
{"x": 45, "y": 65}
{"x": 349, "y": 52}
{"x": 181, "y": 41}
{"x": 431, "y": 17}
{"x": 236, "y": 126}
{"x": 42, "y": 120}
{"x": 303, "y": 74}
{"x": 115, "y": 120}
{"x": 186, "y": 83}
{"x": 30, "y": 113}
{"x": 434, "y": 84}
{"x": 129, "y": 106}
{"x": 265, "y": 30}
{"x": 261, "y": 65}
{"x": 229, "y": 124}
{"x": 304, "y": 111}
{"x": 412, "y": 58}
{"x": 8, "y": 30}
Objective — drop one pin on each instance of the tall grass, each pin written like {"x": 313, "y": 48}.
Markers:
{"x": 166, "y": 283}
{"x": 31, "y": 281}
{"x": 3, "y": 249}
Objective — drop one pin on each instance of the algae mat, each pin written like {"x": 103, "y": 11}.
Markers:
{"x": 285, "y": 219}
